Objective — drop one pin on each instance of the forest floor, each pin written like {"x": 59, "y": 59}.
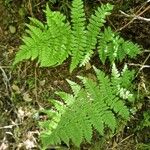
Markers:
{"x": 27, "y": 88}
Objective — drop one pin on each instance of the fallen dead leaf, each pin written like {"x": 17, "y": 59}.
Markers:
{"x": 16, "y": 89}
{"x": 27, "y": 97}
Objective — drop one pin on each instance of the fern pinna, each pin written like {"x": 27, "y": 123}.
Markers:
{"x": 112, "y": 46}
{"x": 50, "y": 42}
{"x": 96, "y": 105}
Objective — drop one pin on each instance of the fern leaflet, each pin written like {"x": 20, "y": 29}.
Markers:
{"x": 114, "y": 47}
{"x": 78, "y": 33}
{"x": 95, "y": 23}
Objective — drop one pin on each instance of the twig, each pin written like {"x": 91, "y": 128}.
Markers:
{"x": 5, "y": 79}
{"x": 36, "y": 85}
{"x": 146, "y": 51}
{"x": 6, "y": 67}
{"x": 122, "y": 141}
{"x": 139, "y": 65}
{"x": 135, "y": 17}
{"x": 30, "y": 8}
{"x": 143, "y": 64}
{"x": 9, "y": 126}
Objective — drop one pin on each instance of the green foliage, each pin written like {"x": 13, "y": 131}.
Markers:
{"x": 93, "y": 28}
{"x": 96, "y": 104}
{"x": 145, "y": 122}
{"x": 52, "y": 42}
{"x": 142, "y": 146}
{"x": 114, "y": 47}
{"x": 78, "y": 32}
{"x": 44, "y": 41}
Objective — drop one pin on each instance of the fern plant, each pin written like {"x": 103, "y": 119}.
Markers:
{"x": 52, "y": 42}
{"x": 96, "y": 104}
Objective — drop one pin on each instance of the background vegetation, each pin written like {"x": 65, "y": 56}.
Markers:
{"x": 26, "y": 89}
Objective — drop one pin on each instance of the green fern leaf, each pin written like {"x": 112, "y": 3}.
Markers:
{"x": 111, "y": 91}
{"x": 131, "y": 49}
{"x": 78, "y": 33}
{"x": 109, "y": 120}
{"x": 114, "y": 47}
{"x": 93, "y": 105}
{"x": 75, "y": 87}
{"x": 127, "y": 77}
{"x": 95, "y": 23}
{"x": 51, "y": 44}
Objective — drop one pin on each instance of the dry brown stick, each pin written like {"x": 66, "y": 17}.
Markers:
{"x": 122, "y": 141}
{"x": 143, "y": 64}
{"x": 139, "y": 65}
{"x": 138, "y": 14}
{"x": 135, "y": 17}
{"x": 6, "y": 67}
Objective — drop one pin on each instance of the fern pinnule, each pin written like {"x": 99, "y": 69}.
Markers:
{"x": 37, "y": 23}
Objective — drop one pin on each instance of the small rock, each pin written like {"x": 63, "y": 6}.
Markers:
{"x": 12, "y": 29}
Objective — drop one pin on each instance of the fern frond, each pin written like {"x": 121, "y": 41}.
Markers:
{"x": 95, "y": 23}
{"x": 50, "y": 44}
{"x": 54, "y": 41}
{"x": 93, "y": 105}
{"x": 78, "y": 33}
